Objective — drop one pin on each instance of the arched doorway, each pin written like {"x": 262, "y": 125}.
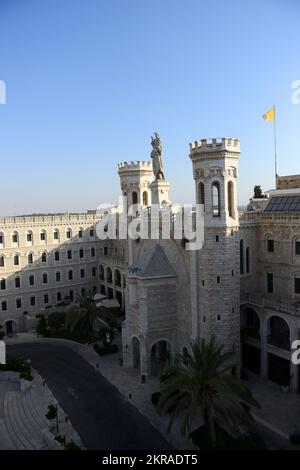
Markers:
{"x": 136, "y": 353}
{"x": 250, "y": 336}
{"x": 160, "y": 357}
{"x": 279, "y": 368}
{"x": 10, "y": 327}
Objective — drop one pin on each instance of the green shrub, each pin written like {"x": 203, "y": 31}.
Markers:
{"x": 295, "y": 438}
{"x": 52, "y": 412}
{"x": 41, "y": 328}
{"x": 56, "y": 320}
{"x": 72, "y": 446}
{"x": 155, "y": 398}
{"x": 61, "y": 440}
{"x": 201, "y": 440}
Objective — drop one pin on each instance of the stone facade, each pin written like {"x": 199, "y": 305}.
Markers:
{"x": 242, "y": 286}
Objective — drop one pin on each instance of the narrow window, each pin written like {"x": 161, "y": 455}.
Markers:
{"x": 297, "y": 285}
{"x": 247, "y": 259}
{"x": 230, "y": 199}
{"x": 242, "y": 256}
{"x": 17, "y": 282}
{"x": 270, "y": 283}
{"x": 46, "y": 298}
{"x": 216, "y": 199}
{"x": 16, "y": 260}
{"x": 18, "y": 303}
{"x": 31, "y": 280}
{"x": 270, "y": 245}
{"x": 69, "y": 254}
{"x": 30, "y": 258}
{"x": 56, "y": 256}
{"x": 32, "y": 301}
{"x": 297, "y": 247}
{"x": 57, "y": 276}
{"x": 201, "y": 194}
{"x": 2, "y": 284}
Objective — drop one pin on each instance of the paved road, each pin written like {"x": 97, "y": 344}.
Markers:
{"x": 98, "y": 412}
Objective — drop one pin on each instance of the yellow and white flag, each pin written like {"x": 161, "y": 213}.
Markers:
{"x": 270, "y": 115}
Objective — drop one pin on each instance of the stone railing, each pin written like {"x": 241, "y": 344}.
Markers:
{"x": 277, "y": 305}
{"x": 26, "y": 219}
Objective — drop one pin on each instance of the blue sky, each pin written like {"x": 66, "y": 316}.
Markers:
{"x": 88, "y": 82}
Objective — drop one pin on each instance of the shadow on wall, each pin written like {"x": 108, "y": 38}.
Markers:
{"x": 41, "y": 278}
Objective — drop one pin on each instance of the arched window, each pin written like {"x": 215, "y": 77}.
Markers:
{"x": 44, "y": 257}
{"x": 247, "y": 259}
{"x": 241, "y": 256}
{"x": 17, "y": 282}
{"x": 15, "y": 238}
{"x": 43, "y": 236}
{"x": 29, "y": 237}
{"x": 70, "y": 275}
{"x": 230, "y": 199}
{"x": 108, "y": 275}
{"x": 2, "y": 262}
{"x": 145, "y": 198}
{"x": 201, "y": 194}
{"x": 101, "y": 272}
{"x": 297, "y": 246}
{"x": 117, "y": 278}
{"x": 57, "y": 276}
{"x": 45, "y": 278}
{"x": 16, "y": 259}
{"x": 30, "y": 258}
{"x": 56, "y": 235}
{"x": 134, "y": 197}
{"x": 2, "y": 239}
{"x": 2, "y": 284}
{"x": 68, "y": 233}
{"x": 216, "y": 199}
{"x": 31, "y": 280}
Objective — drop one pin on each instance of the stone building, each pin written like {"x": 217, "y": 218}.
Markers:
{"x": 243, "y": 286}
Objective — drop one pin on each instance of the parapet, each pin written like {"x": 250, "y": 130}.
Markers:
{"x": 288, "y": 182}
{"x": 215, "y": 145}
{"x": 140, "y": 165}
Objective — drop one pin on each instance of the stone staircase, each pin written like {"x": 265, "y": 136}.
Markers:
{"x": 23, "y": 425}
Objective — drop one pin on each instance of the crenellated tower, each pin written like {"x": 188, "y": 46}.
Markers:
{"x": 135, "y": 179}
{"x": 215, "y": 273}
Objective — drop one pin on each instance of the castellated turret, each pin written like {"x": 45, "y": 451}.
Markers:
{"x": 215, "y": 268}
{"x": 135, "y": 179}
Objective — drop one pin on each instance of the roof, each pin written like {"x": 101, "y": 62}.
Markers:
{"x": 154, "y": 264}
{"x": 283, "y": 204}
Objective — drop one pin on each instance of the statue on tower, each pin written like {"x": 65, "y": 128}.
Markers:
{"x": 156, "y": 156}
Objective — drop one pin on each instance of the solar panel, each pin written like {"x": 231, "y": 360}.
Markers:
{"x": 283, "y": 204}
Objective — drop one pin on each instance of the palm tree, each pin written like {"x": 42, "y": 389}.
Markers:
{"x": 82, "y": 317}
{"x": 200, "y": 389}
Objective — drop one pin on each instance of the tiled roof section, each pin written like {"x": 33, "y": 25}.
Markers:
{"x": 283, "y": 204}
{"x": 154, "y": 264}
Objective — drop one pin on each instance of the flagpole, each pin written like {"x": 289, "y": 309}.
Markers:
{"x": 275, "y": 146}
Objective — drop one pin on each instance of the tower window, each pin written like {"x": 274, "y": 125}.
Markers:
{"x": 134, "y": 198}
{"x": 270, "y": 283}
{"x": 270, "y": 245}
{"x": 247, "y": 259}
{"x": 216, "y": 199}
{"x": 145, "y": 198}
{"x": 201, "y": 194}
{"x": 241, "y": 256}
{"x": 230, "y": 199}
